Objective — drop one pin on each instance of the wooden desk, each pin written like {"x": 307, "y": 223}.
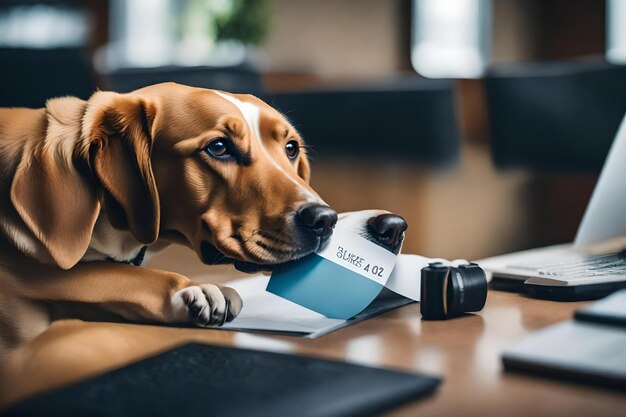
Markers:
{"x": 465, "y": 351}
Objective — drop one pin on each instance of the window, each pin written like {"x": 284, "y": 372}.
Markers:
{"x": 42, "y": 26}
{"x": 616, "y": 31}
{"x": 450, "y": 38}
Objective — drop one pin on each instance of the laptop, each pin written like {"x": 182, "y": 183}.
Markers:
{"x": 591, "y": 267}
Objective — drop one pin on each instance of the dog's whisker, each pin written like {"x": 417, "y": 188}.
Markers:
{"x": 269, "y": 235}
{"x": 256, "y": 255}
{"x": 220, "y": 257}
{"x": 271, "y": 249}
{"x": 243, "y": 243}
{"x": 308, "y": 148}
{"x": 263, "y": 247}
{"x": 272, "y": 237}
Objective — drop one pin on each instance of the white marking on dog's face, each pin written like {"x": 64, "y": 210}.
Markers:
{"x": 251, "y": 114}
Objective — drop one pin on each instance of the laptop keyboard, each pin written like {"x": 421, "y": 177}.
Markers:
{"x": 578, "y": 266}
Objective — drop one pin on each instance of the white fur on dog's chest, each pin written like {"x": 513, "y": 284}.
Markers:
{"x": 108, "y": 242}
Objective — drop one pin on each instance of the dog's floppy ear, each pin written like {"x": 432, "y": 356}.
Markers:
{"x": 56, "y": 202}
{"x": 120, "y": 150}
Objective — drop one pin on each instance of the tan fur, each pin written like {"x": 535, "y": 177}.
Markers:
{"x": 83, "y": 181}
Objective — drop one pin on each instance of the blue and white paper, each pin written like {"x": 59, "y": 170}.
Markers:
{"x": 267, "y": 312}
{"x": 341, "y": 280}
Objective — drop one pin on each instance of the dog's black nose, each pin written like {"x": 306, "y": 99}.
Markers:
{"x": 318, "y": 218}
{"x": 389, "y": 228}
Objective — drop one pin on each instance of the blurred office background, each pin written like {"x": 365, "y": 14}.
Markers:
{"x": 484, "y": 123}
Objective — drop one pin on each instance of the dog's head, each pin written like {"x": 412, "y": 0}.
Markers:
{"x": 233, "y": 177}
{"x": 224, "y": 174}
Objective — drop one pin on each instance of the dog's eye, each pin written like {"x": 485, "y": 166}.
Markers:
{"x": 218, "y": 149}
{"x": 292, "y": 149}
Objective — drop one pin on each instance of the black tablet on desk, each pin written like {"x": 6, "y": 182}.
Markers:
{"x": 203, "y": 380}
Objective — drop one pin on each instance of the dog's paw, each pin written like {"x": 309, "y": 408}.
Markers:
{"x": 206, "y": 305}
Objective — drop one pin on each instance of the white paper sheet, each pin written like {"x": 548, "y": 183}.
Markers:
{"x": 264, "y": 311}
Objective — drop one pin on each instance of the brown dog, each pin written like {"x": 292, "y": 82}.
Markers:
{"x": 88, "y": 186}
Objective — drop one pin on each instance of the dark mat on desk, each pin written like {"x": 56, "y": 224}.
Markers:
{"x": 201, "y": 380}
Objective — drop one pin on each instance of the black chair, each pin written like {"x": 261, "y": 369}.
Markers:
{"x": 236, "y": 79}
{"x": 555, "y": 116}
{"x": 413, "y": 120}
{"x": 28, "y": 77}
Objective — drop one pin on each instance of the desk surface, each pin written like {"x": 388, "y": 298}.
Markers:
{"x": 465, "y": 351}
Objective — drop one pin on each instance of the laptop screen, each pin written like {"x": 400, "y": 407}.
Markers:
{"x": 605, "y": 217}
